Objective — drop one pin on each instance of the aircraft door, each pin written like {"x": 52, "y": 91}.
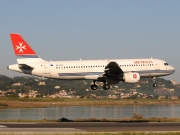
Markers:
{"x": 46, "y": 68}
{"x": 157, "y": 66}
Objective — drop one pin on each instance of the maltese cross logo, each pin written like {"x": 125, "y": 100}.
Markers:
{"x": 134, "y": 76}
{"x": 21, "y": 47}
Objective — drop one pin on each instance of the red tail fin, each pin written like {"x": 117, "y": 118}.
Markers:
{"x": 20, "y": 45}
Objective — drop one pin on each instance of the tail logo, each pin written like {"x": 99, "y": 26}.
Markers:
{"x": 134, "y": 76}
{"x": 20, "y": 47}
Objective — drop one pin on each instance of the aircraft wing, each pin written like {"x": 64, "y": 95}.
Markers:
{"x": 113, "y": 72}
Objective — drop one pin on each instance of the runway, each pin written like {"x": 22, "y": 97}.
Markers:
{"x": 83, "y": 127}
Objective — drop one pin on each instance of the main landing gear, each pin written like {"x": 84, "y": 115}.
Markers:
{"x": 94, "y": 86}
{"x": 106, "y": 86}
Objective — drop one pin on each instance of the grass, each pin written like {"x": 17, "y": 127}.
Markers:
{"x": 129, "y": 120}
{"x": 134, "y": 118}
{"x": 120, "y": 133}
{"x": 54, "y": 102}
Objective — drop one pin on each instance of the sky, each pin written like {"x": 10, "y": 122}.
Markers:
{"x": 92, "y": 29}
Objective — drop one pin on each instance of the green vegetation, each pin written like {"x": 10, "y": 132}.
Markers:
{"x": 100, "y": 120}
{"x": 80, "y": 93}
{"x": 3, "y": 105}
{"x": 134, "y": 118}
{"x": 55, "y": 102}
{"x": 82, "y": 88}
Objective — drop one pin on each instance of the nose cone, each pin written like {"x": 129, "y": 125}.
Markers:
{"x": 172, "y": 69}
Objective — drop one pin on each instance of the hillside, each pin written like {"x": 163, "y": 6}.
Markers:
{"x": 82, "y": 88}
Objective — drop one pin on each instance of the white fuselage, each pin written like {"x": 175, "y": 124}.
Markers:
{"x": 92, "y": 69}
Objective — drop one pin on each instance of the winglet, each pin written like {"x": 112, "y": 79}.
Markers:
{"x": 20, "y": 46}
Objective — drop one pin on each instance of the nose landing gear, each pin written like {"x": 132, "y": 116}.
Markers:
{"x": 154, "y": 82}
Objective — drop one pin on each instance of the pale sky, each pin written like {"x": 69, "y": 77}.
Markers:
{"x": 94, "y": 29}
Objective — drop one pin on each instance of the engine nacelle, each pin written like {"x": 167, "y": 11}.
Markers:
{"x": 131, "y": 77}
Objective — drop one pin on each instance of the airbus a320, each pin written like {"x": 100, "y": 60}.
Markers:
{"x": 109, "y": 71}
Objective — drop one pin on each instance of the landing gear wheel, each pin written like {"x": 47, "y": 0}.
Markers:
{"x": 106, "y": 86}
{"x": 94, "y": 87}
{"x": 155, "y": 85}
{"x": 154, "y": 82}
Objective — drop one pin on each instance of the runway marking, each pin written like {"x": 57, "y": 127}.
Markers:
{"x": 2, "y": 126}
{"x": 40, "y": 130}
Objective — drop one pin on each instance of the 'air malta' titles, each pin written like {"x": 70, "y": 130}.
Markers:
{"x": 143, "y": 62}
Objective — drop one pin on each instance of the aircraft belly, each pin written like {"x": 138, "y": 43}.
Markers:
{"x": 72, "y": 77}
{"x": 153, "y": 74}
{"x": 80, "y": 75}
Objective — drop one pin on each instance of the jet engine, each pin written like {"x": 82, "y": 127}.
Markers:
{"x": 131, "y": 77}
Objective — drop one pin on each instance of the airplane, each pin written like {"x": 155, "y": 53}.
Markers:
{"x": 109, "y": 71}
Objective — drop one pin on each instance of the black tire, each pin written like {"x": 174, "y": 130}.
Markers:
{"x": 155, "y": 85}
{"x": 93, "y": 87}
{"x": 106, "y": 86}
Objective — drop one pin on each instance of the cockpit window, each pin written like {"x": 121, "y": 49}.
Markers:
{"x": 166, "y": 64}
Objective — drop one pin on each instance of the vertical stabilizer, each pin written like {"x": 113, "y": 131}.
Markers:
{"x": 25, "y": 54}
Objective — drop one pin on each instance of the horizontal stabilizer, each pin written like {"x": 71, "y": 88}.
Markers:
{"x": 25, "y": 66}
